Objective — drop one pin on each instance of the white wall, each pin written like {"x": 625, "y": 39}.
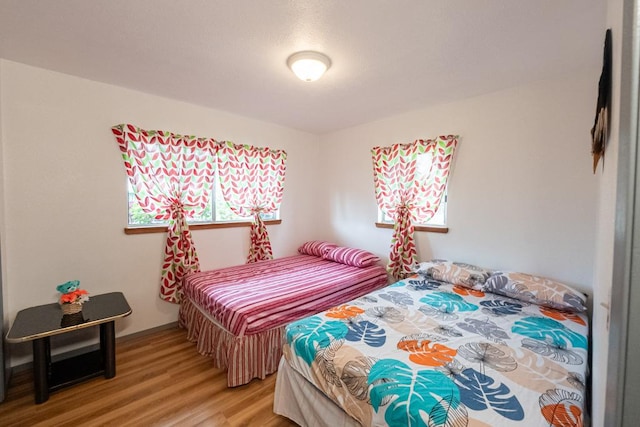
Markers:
{"x": 521, "y": 194}
{"x": 65, "y": 191}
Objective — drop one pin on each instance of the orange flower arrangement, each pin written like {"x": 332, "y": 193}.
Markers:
{"x": 76, "y": 296}
{"x": 71, "y": 293}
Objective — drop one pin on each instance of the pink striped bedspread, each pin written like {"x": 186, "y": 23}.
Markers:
{"x": 252, "y": 298}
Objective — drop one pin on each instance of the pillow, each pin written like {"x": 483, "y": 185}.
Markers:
{"x": 351, "y": 256}
{"x": 457, "y": 273}
{"x": 536, "y": 290}
{"x": 316, "y": 248}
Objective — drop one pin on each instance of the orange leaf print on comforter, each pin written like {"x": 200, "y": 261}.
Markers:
{"x": 344, "y": 312}
{"x": 424, "y": 352}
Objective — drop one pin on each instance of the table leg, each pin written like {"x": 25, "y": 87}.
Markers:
{"x": 41, "y": 360}
{"x": 108, "y": 348}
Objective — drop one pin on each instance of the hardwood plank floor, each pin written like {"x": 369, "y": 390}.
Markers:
{"x": 161, "y": 380}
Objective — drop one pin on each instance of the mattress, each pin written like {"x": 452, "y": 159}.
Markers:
{"x": 422, "y": 352}
{"x": 236, "y": 315}
{"x": 256, "y": 297}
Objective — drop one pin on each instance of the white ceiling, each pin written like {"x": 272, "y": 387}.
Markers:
{"x": 388, "y": 56}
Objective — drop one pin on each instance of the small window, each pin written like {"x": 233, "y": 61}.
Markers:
{"x": 440, "y": 217}
{"x": 218, "y": 211}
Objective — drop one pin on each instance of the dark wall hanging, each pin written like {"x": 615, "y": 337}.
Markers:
{"x": 600, "y": 129}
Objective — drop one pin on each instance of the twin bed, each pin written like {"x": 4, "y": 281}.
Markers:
{"x": 455, "y": 345}
{"x": 236, "y": 315}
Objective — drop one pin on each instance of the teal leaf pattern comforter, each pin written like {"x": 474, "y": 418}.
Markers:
{"x": 428, "y": 353}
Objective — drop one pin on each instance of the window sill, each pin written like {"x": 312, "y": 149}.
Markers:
{"x": 431, "y": 229}
{"x": 163, "y": 228}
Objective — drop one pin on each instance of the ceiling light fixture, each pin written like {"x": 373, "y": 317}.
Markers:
{"x": 309, "y": 65}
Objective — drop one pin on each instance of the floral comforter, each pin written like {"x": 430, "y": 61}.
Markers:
{"x": 426, "y": 353}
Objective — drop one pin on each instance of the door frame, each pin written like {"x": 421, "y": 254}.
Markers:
{"x": 623, "y": 375}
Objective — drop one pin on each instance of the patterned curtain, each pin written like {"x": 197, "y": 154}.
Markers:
{"x": 172, "y": 177}
{"x": 252, "y": 181}
{"x": 408, "y": 196}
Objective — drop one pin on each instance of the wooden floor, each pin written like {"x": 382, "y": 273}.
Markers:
{"x": 161, "y": 381}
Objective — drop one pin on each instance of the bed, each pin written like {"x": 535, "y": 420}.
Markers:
{"x": 236, "y": 315}
{"x": 453, "y": 346}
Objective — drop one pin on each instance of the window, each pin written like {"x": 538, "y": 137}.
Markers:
{"x": 440, "y": 217}
{"x": 410, "y": 181}
{"x": 217, "y": 212}
{"x": 438, "y": 220}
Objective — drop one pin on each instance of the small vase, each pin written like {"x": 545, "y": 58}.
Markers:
{"x": 71, "y": 308}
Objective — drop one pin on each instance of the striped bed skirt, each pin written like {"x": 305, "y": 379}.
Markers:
{"x": 244, "y": 357}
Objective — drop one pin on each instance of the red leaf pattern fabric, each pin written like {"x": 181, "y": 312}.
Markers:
{"x": 407, "y": 196}
{"x": 172, "y": 178}
{"x": 252, "y": 180}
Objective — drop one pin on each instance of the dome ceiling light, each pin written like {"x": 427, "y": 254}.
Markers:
{"x": 309, "y": 65}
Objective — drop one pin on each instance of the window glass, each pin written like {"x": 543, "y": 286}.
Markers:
{"x": 440, "y": 217}
{"x": 438, "y": 220}
{"x": 218, "y": 211}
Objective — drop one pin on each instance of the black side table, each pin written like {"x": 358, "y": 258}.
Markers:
{"x": 39, "y": 323}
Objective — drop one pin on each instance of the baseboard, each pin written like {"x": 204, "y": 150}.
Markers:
{"x": 93, "y": 347}
{"x": 146, "y": 332}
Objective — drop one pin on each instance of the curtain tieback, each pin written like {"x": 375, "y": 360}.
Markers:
{"x": 403, "y": 209}
{"x": 177, "y": 209}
